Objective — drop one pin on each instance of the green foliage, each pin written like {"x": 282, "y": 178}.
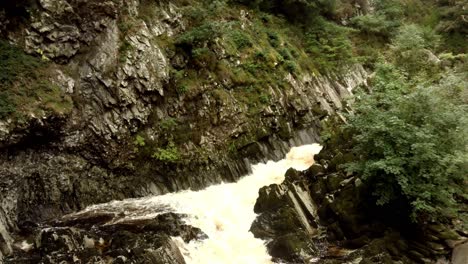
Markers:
{"x": 274, "y": 39}
{"x": 169, "y": 154}
{"x": 329, "y": 45}
{"x": 204, "y": 58}
{"x": 412, "y": 48}
{"x": 124, "y": 48}
{"x": 6, "y": 105}
{"x": 377, "y": 24}
{"x": 453, "y": 17}
{"x": 295, "y": 10}
{"x": 290, "y": 66}
{"x": 139, "y": 141}
{"x": 15, "y": 64}
{"x": 204, "y": 33}
{"x": 410, "y": 144}
{"x": 168, "y": 123}
{"x": 24, "y": 84}
{"x": 241, "y": 39}
{"x": 264, "y": 98}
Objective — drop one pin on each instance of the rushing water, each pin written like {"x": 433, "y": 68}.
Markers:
{"x": 224, "y": 212}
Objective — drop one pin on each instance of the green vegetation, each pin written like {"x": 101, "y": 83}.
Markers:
{"x": 329, "y": 45}
{"x": 248, "y": 56}
{"x": 406, "y": 134}
{"x": 168, "y": 124}
{"x": 168, "y": 154}
{"x": 410, "y": 143}
{"x": 25, "y": 86}
{"x": 139, "y": 142}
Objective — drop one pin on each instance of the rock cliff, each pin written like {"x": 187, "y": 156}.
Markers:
{"x": 321, "y": 215}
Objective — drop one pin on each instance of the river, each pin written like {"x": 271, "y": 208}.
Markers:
{"x": 224, "y": 212}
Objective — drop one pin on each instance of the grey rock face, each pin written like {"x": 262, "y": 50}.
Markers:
{"x": 286, "y": 220}
{"x": 106, "y": 237}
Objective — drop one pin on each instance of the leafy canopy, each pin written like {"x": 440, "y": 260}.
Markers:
{"x": 411, "y": 144}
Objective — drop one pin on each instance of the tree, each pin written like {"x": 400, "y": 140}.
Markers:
{"x": 410, "y": 144}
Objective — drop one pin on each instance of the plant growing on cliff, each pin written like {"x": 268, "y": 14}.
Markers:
{"x": 168, "y": 154}
{"x": 410, "y": 144}
{"x": 25, "y": 84}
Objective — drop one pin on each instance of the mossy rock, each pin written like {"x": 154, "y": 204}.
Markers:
{"x": 334, "y": 180}
{"x": 292, "y": 247}
{"x": 315, "y": 170}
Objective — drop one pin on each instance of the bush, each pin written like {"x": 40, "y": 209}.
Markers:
{"x": 412, "y": 48}
{"x": 329, "y": 45}
{"x": 290, "y": 66}
{"x": 204, "y": 58}
{"x": 295, "y": 10}
{"x": 6, "y": 105}
{"x": 168, "y": 124}
{"x": 410, "y": 145}
{"x": 274, "y": 39}
{"x": 240, "y": 39}
{"x": 168, "y": 154}
{"x": 14, "y": 64}
{"x": 25, "y": 85}
{"x": 375, "y": 24}
{"x": 202, "y": 34}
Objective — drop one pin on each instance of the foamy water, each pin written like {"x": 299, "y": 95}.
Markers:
{"x": 224, "y": 212}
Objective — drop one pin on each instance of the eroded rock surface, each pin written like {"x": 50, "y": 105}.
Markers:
{"x": 320, "y": 216}
{"x": 105, "y": 237}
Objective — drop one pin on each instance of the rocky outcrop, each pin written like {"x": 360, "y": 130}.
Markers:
{"x": 287, "y": 220}
{"x": 112, "y": 61}
{"x": 105, "y": 237}
{"x": 321, "y": 215}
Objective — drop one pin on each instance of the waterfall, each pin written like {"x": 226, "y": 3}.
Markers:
{"x": 224, "y": 212}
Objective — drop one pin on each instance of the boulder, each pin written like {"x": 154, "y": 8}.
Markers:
{"x": 104, "y": 237}
{"x": 286, "y": 219}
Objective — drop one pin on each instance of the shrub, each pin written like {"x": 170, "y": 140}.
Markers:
{"x": 6, "y": 105}
{"x": 168, "y": 123}
{"x": 410, "y": 144}
{"x": 168, "y": 154}
{"x": 14, "y": 64}
{"x": 204, "y": 58}
{"x": 25, "y": 85}
{"x": 290, "y": 66}
{"x": 264, "y": 98}
{"x": 329, "y": 45}
{"x": 412, "y": 48}
{"x": 377, "y": 24}
{"x": 240, "y": 39}
{"x": 139, "y": 141}
{"x": 274, "y": 39}
{"x": 198, "y": 35}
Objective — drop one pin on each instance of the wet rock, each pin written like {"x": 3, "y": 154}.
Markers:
{"x": 100, "y": 237}
{"x": 286, "y": 219}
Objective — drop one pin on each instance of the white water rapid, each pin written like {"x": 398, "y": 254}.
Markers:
{"x": 224, "y": 212}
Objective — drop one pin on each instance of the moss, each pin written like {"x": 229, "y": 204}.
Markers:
{"x": 25, "y": 86}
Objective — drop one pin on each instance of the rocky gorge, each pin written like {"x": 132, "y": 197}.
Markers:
{"x": 118, "y": 106}
{"x": 105, "y": 101}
